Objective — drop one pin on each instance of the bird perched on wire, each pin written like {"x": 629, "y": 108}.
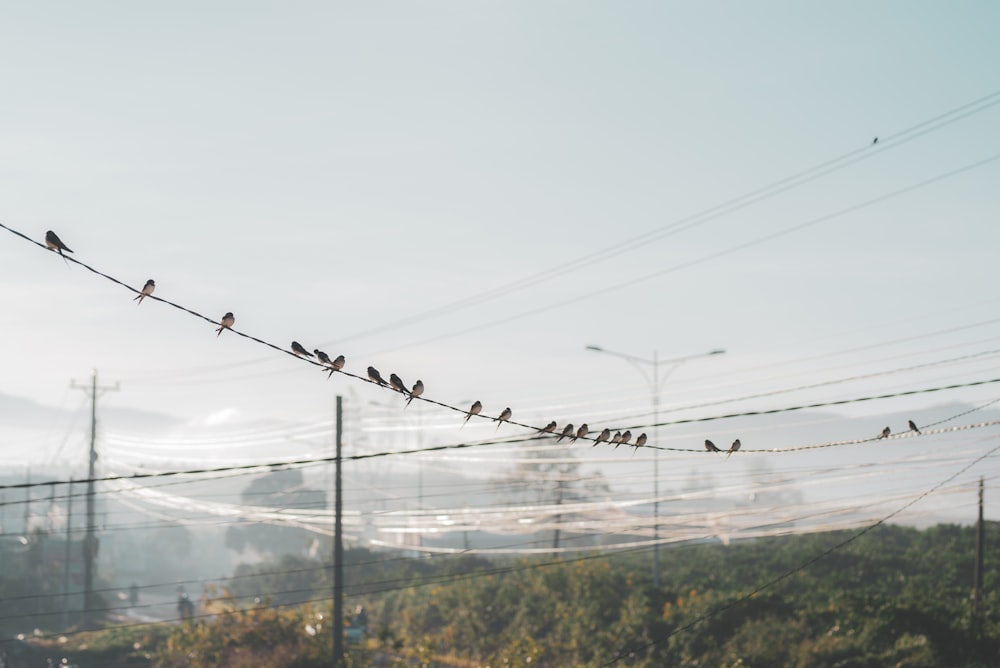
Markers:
{"x": 323, "y": 358}
{"x": 375, "y": 377}
{"x": 549, "y": 428}
{"x": 711, "y": 447}
{"x": 603, "y": 436}
{"x": 397, "y": 383}
{"x": 53, "y": 242}
{"x": 626, "y": 437}
{"x": 874, "y": 141}
{"x": 616, "y": 440}
{"x": 227, "y": 322}
{"x": 566, "y": 432}
{"x": 418, "y": 389}
{"x": 639, "y": 442}
{"x": 733, "y": 448}
{"x": 913, "y": 426}
{"x": 885, "y": 433}
{"x": 475, "y": 409}
{"x": 580, "y": 433}
{"x": 503, "y": 417}
{"x": 336, "y": 365}
{"x": 299, "y": 350}
{"x": 146, "y": 291}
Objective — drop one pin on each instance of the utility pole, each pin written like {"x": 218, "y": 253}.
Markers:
{"x": 69, "y": 524}
{"x": 655, "y": 387}
{"x": 27, "y": 503}
{"x": 90, "y": 543}
{"x": 338, "y": 546}
{"x": 977, "y": 599}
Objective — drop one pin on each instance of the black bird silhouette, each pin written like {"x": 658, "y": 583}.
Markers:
{"x": 299, "y": 350}
{"x": 375, "y": 376}
{"x": 53, "y": 242}
{"x": 473, "y": 410}
{"x": 711, "y": 446}
{"x": 913, "y": 426}
{"x": 227, "y": 322}
{"x": 336, "y": 365}
{"x": 397, "y": 383}
{"x": 146, "y": 291}
{"x": 323, "y": 357}
{"x": 885, "y": 433}
{"x": 874, "y": 141}
{"x": 418, "y": 389}
{"x": 503, "y": 417}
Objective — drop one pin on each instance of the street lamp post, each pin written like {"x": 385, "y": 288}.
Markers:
{"x": 655, "y": 385}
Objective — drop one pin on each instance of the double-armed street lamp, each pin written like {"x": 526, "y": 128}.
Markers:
{"x": 655, "y": 383}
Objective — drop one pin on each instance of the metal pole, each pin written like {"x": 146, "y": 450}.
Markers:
{"x": 90, "y": 540}
{"x": 977, "y": 600}
{"x": 69, "y": 524}
{"x": 656, "y": 470}
{"x": 338, "y": 548}
{"x": 27, "y": 503}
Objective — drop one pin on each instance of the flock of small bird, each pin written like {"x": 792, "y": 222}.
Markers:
{"x": 53, "y": 242}
{"x": 909, "y": 423}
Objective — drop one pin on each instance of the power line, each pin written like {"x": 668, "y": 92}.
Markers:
{"x": 801, "y": 567}
{"x": 534, "y": 437}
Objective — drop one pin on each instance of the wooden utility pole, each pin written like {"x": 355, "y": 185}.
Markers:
{"x": 338, "y": 546}
{"x": 977, "y": 598}
{"x": 90, "y": 543}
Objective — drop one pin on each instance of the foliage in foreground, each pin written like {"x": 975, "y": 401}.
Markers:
{"x": 895, "y": 597}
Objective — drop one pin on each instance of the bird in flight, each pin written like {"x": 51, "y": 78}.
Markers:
{"x": 711, "y": 447}
{"x": 603, "y": 436}
{"x": 913, "y": 426}
{"x": 375, "y": 376}
{"x": 418, "y": 389}
{"x": 299, "y": 350}
{"x": 549, "y": 428}
{"x": 473, "y": 410}
{"x": 885, "y": 433}
{"x": 874, "y": 141}
{"x": 733, "y": 448}
{"x": 626, "y": 437}
{"x": 567, "y": 431}
{"x": 146, "y": 291}
{"x": 397, "y": 383}
{"x": 503, "y": 417}
{"x": 227, "y": 322}
{"x": 580, "y": 433}
{"x": 53, "y": 242}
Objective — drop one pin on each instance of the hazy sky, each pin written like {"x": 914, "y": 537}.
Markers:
{"x": 326, "y": 169}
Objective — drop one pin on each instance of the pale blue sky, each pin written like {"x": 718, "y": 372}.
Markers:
{"x": 321, "y": 169}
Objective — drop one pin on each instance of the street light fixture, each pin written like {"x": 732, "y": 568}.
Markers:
{"x": 655, "y": 385}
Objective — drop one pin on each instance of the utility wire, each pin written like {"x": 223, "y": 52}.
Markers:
{"x": 801, "y": 567}
{"x": 436, "y": 448}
